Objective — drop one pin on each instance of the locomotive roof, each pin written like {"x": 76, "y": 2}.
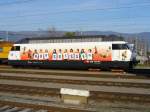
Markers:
{"x": 102, "y": 37}
{"x": 67, "y": 37}
{"x": 111, "y": 42}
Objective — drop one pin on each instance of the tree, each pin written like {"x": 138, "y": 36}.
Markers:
{"x": 148, "y": 53}
{"x": 70, "y": 34}
{"x": 1, "y": 39}
{"x": 51, "y": 29}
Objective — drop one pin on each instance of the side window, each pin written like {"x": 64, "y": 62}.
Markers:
{"x": 15, "y": 48}
{"x": 119, "y": 46}
{"x": 125, "y": 46}
{"x": 1, "y": 49}
{"x": 12, "y": 49}
{"x": 116, "y": 47}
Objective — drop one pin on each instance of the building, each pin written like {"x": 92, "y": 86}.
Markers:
{"x": 92, "y": 38}
{"x": 141, "y": 47}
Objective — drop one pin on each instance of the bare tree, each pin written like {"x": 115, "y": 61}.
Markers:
{"x": 52, "y": 31}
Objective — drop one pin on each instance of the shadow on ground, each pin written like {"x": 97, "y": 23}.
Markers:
{"x": 141, "y": 72}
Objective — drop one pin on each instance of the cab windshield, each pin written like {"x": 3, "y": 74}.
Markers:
{"x": 119, "y": 46}
{"x": 131, "y": 47}
{"x": 15, "y": 48}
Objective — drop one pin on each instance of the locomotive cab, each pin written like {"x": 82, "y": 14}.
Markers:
{"x": 14, "y": 53}
{"x": 121, "y": 52}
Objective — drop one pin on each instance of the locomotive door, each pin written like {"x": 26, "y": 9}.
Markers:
{"x": 116, "y": 52}
{"x": 14, "y": 54}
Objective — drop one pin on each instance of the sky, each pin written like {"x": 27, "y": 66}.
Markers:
{"x": 124, "y": 16}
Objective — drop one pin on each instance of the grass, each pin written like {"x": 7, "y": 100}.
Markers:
{"x": 143, "y": 65}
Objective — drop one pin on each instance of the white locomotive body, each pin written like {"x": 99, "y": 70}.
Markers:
{"x": 114, "y": 54}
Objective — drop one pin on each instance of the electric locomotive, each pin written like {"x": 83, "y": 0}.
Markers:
{"x": 75, "y": 55}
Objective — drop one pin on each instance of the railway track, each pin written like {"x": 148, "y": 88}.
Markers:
{"x": 74, "y": 73}
{"x": 94, "y": 95}
{"x": 35, "y": 99}
{"x": 26, "y": 90}
{"x": 45, "y": 106}
{"x": 9, "y": 106}
{"x": 78, "y": 82}
{"x": 46, "y": 84}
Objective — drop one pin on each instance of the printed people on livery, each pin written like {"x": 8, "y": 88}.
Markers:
{"x": 83, "y": 55}
{"x": 35, "y": 55}
{"x": 41, "y": 56}
{"x": 30, "y": 54}
{"x": 24, "y": 55}
{"x": 89, "y": 55}
{"x": 95, "y": 48}
{"x": 46, "y": 55}
{"x": 124, "y": 55}
{"x": 71, "y": 55}
{"x": 65, "y": 55}
{"x": 54, "y": 55}
{"x": 50, "y": 54}
{"x": 102, "y": 54}
{"x": 77, "y": 55}
{"x": 96, "y": 55}
{"x": 59, "y": 55}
